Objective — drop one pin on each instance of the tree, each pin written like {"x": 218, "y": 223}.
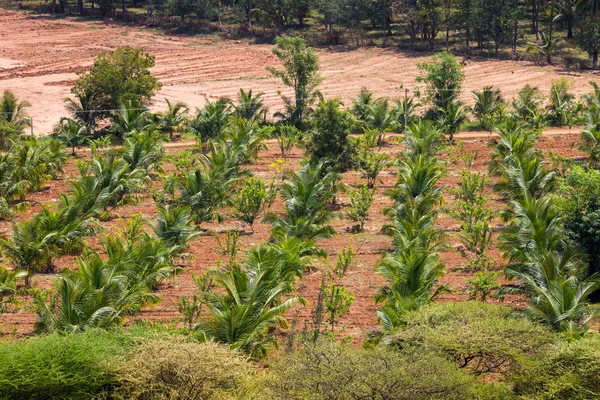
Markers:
{"x": 253, "y": 199}
{"x": 300, "y": 71}
{"x": 590, "y": 38}
{"x": 173, "y": 118}
{"x": 26, "y": 250}
{"x": 117, "y": 77}
{"x": 329, "y": 135}
{"x": 250, "y": 107}
{"x": 72, "y": 134}
{"x": 211, "y": 120}
{"x": 443, "y": 76}
{"x": 489, "y": 105}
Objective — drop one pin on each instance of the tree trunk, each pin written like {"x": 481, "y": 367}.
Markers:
{"x": 595, "y": 59}
{"x": 124, "y": 6}
{"x": 80, "y": 7}
{"x": 468, "y": 25}
{"x": 570, "y": 28}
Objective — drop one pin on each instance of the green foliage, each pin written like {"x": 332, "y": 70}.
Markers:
{"x": 117, "y": 77}
{"x": 287, "y": 137}
{"x": 253, "y": 199}
{"x": 370, "y": 164}
{"x": 72, "y": 134}
{"x": 300, "y": 72}
{"x": 479, "y": 337}
{"x": 565, "y": 371}
{"x": 8, "y": 286}
{"x": 306, "y": 195}
{"x": 329, "y": 135}
{"x": 327, "y": 370}
{"x": 176, "y": 370}
{"x": 211, "y": 120}
{"x": 561, "y": 105}
{"x": 451, "y": 119}
{"x": 489, "y": 107}
{"x": 443, "y": 76}
{"x": 250, "y": 107}
{"x": 470, "y": 209}
{"x": 528, "y": 103}
{"x": 483, "y": 284}
{"x": 578, "y": 202}
{"x": 360, "y": 202}
{"x": 13, "y": 118}
{"x": 79, "y": 366}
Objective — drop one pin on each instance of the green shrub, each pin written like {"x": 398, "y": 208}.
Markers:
{"x": 566, "y": 371}
{"x": 332, "y": 371}
{"x": 329, "y": 137}
{"x": 76, "y": 366}
{"x": 175, "y": 370}
{"x": 479, "y": 337}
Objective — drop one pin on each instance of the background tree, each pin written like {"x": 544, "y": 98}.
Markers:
{"x": 300, "y": 71}
{"x": 117, "y": 77}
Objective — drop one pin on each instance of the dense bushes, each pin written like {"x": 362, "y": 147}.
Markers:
{"x": 334, "y": 371}
{"x": 61, "y": 367}
{"x": 477, "y": 336}
{"x": 174, "y": 370}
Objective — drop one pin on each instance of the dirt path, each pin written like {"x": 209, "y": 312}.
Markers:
{"x": 40, "y": 56}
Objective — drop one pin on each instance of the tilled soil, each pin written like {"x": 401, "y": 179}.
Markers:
{"x": 362, "y": 278}
{"x": 41, "y": 55}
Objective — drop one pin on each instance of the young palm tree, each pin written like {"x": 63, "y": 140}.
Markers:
{"x": 14, "y": 111}
{"x": 72, "y": 133}
{"x": 245, "y": 313}
{"x": 526, "y": 176}
{"x": 144, "y": 151}
{"x": 405, "y": 112}
{"x": 173, "y": 118}
{"x": 451, "y": 119}
{"x": 27, "y": 249}
{"x": 8, "y": 286}
{"x": 174, "y": 225}
{"x": 591, "y": 145}
{"x": 514, "y": 142}
{"x": 212, "y": 119}
{"x": 250, "y": 107}
{"x": 412, "y": 274}
{"x": 361, "y": 104}
{"x": 527, "y": 103}
{"x": 306, "y": 194}
{"x": 202, "y": 193}
{"x": 422, "y": 139}
{"x": 488, "y": 106}
{"x": 131, "y": 117}
{"x": 380, "y": 118}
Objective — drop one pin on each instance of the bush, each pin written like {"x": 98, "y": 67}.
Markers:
{"x": 566, "y": 371}
{"x": 117, "y": 77}
{"x": 175, "y": 370}
{"x": 477, "y": 336}
{"x": 329, "y": 139}
{"x": 332, "y": 371}
{"x": 77, "y": 366}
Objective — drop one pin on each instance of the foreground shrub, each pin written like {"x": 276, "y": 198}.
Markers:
{"x": 61, "y": 367}
{"x": 333, "y": 371}
{"x": 172, "y": 370}
{"x": 479, "y": 337}
{"x": 566, "y": 371}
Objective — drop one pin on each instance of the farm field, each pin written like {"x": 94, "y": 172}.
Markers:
{"x": 40, "y": 56}
{"x": 362, "y": 279}
{"x": 41, "y": 59}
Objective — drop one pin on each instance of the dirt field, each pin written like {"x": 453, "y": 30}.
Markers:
{"x": 40, "y": 55}
{"x": 362, "y": 278}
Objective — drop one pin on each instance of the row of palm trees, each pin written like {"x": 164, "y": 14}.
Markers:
{"x": 412, "y": 270}
{"x": 550, "y": 269}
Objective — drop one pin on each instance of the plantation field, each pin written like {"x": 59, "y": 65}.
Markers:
{"x": 40, "y": 56}
{"x": 362, "y": 279}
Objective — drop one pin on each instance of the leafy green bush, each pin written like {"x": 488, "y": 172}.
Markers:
{"x": 566, "y": 371}
{"x": 332, "y": 371}
{"x": 175, "y": 370}
{"x": 477, "y": 336}
{"x": 329, "y": 138}
{"x": 78, "y": 366}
